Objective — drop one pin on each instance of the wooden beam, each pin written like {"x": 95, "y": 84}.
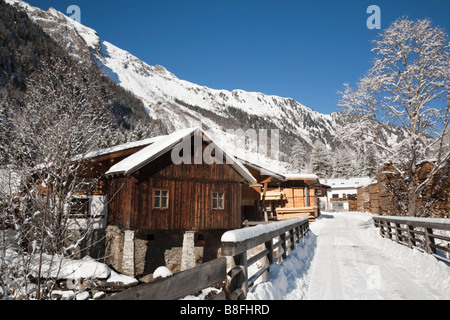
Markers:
{"x": 263, "y": 203}
{"x": 180, "y": 285}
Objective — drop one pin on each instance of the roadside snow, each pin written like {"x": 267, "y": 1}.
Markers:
{"x": 288, "y": 280}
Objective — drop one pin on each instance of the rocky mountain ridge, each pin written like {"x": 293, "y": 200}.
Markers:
{"x": 179, "y": 104}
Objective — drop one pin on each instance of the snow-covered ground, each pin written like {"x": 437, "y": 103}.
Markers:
{"x": 343, "y": 257}
{"x": 71, "y": 271}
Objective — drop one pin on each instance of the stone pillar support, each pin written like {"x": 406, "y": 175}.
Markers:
{"x": 128, "y": 253}
{"x": 188, "y": 253}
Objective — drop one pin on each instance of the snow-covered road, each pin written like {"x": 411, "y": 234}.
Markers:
{"x": 343, "y": 257}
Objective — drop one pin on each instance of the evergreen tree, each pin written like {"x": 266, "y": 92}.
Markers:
{"x": 320, "y": 161}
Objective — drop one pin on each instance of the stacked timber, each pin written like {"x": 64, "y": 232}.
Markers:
{"x": 352, "y": 202}
{"x": 363, "y": 199}
{"x": 374, "y": 198}
{"x": 386, "y": 177}
{"x": 436, "y": 196}
{"x": 434, "y": 201}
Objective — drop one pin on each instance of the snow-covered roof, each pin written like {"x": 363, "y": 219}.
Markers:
{"x": 162, "y": 145}
{"x": 125, "y": 146}
{"x": 263, "y": 169}
{"x": 301, "y": 176}
{"x": 347, "y": 182}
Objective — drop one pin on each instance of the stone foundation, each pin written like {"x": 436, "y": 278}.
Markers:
{"x": 163, "y": 248}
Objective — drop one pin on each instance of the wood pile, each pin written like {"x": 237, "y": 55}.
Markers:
{"x": 374, "y": 198}
{"x": 363, "y": 200}
{"x": 352, "y": 202}
{"x": 436, "y": 196}
{"x": 389, "y": 195}
{"x": 386, "y": 183}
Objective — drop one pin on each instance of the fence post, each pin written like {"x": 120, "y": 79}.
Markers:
{"x": 269, "y": 246}
{"x": 297, "y": 233}
{"x": 429, "y": 240}
{"x": 304, "y": 229}
{"x": 380, "y": 225}
{"x": 292, "y": 236}
{"x": 239, "y": 283}
{"x": 241, "y": 278}
{"x": 387, "y": 232}
{"x": 283, "y": 245}
{"x": 411, "y": 241}
{"x": 398, "y": 233}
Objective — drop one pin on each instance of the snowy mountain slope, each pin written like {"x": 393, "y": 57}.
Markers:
{"x": 180, "y": 104}
{"x": 160, "y": 89}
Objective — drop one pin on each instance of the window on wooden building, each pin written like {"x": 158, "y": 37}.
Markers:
{"x": 218, "y": 200}
{"x": 161, "y": 199}
{"x": 79, "y": 208}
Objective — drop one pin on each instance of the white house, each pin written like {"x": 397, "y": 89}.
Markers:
{"x": 342, "y": 189}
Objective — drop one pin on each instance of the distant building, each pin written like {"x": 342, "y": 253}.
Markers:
{"x": 342, "y": 192}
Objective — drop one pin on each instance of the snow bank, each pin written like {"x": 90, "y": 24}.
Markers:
{"x": 86, "y": 268}
{"x": 288, "y": 280}
{"x": 60, "y": 268}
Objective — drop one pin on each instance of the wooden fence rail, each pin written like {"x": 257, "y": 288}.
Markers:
{"x": 427, "y": 234}
{"x": 178, "y": 286}
{"x": 237, "y": 243}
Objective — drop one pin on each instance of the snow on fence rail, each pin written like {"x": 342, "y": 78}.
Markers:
{"x": 237, "y": 243}
{"x": 427, "y": 234}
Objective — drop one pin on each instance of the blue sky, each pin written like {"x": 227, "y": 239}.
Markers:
{"x": 304, "y": 50}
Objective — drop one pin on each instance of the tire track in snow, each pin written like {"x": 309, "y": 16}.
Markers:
{"x": 348, "y": 265}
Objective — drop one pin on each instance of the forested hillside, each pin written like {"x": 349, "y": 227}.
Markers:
{"x": 26, "y": 52}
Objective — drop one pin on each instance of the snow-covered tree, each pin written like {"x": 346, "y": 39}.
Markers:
{"x": 343, "y": 162}
{"x": 61, "y": 119}
{"x": 368, "y": 164}
{"x": 320, "y": 160}
{"x": 408, "y": 86}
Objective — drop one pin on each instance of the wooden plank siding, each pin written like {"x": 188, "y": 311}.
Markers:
{"x": 294, "y": 197}
{"x": 190, "y": 189}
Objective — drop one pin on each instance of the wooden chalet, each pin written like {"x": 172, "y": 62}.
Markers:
{"x": 254, "y": 206}
{"x": 296, "y": 197}
{"x": 143, "y": 187}
{"x": 282, "y": 196}
{"x": 153, "y": 193}
{"x": 164, "y": 201}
